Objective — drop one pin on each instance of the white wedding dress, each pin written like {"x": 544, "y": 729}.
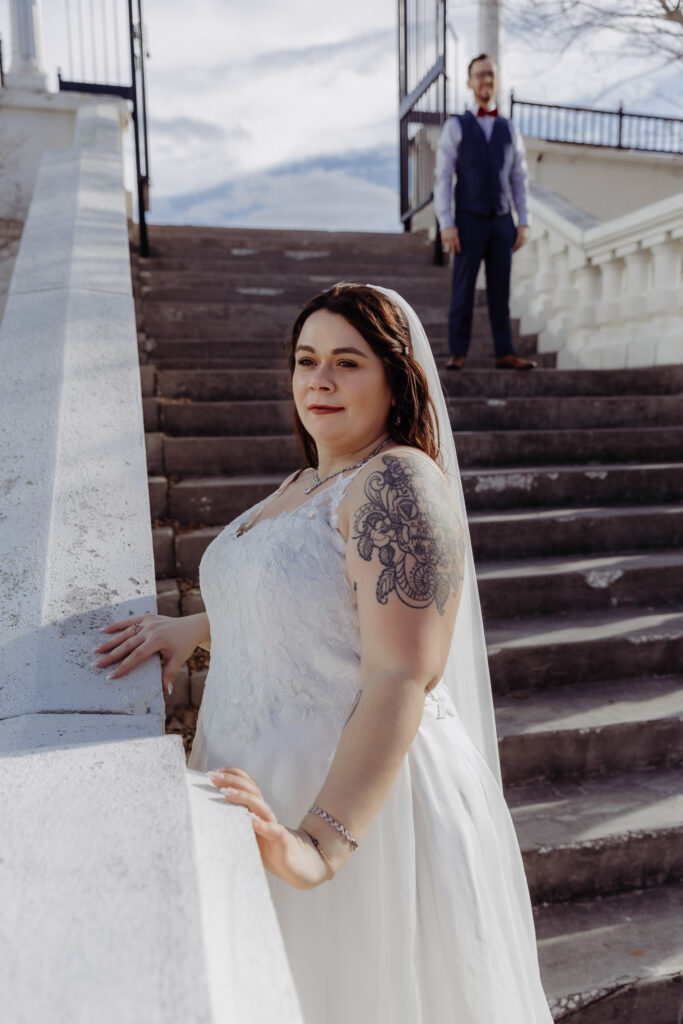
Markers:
{"x": 429, "y": 922}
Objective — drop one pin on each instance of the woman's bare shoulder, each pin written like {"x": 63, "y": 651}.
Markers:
{"x": 405, "y": 534}
{"x": 403, "y": 468}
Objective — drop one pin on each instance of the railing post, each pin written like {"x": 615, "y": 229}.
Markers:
{"x": 621, "y": 119}
{"x": 144, "y": 245}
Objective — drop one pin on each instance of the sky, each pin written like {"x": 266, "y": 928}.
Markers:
{"x": 283, "y": 113}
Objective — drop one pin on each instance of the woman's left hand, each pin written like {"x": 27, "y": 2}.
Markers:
{"x": 285, "y": 852}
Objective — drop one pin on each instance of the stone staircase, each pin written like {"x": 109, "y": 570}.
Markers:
{"x": 574, "y": 487}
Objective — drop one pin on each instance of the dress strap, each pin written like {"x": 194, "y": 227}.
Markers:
{"x": 258, "y": 508}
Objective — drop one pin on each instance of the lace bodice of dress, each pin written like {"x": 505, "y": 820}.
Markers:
{"x": 285, "y": 642}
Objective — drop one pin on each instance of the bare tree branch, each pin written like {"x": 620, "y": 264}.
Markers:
{"x": 653, "y": 28}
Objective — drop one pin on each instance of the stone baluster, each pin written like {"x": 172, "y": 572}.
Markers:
{"x": 666, "y": 300}
{"x": 525, "y": 266}
{"x": 638, "y": 268}
{"x": 589, "y": 280}
{"x": 666, "y": 275}
{"x": 560, "y": 305}
{"x": 565, "y": 292}
{"x": 609, "y": 308}
{"x": 535, "y": 317}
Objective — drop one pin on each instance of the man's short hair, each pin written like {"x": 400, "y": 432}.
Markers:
{"x": 482, "y": 56}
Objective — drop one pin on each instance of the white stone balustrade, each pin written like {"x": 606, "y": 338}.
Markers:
{"x": 602, "y": 294}
{"x": 130, "y": 891}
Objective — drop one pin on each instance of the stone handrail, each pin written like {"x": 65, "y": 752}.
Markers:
{"x": 602, "y": 295}
{"x": 130, "y": 891}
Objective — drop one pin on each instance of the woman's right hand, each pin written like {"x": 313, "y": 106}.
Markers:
{"x": 135, "y": 639}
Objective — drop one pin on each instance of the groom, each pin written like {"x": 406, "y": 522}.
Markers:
{"x": 486, "y": 153}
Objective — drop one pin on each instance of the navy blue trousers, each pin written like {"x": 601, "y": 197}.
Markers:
{"x": 489, "y": 239}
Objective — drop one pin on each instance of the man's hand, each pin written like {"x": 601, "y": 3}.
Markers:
{"x": 522, "y": 237}
{"x": 450, "y": 240}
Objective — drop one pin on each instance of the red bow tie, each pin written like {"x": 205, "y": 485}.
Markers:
{"x": 482, "y": 112}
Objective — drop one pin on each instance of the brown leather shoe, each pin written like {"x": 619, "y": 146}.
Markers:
{"x": 513, "y": 362}
{"x": 455, "y": 363}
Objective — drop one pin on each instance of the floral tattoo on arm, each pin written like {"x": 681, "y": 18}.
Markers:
{"x": 419, "y": 538}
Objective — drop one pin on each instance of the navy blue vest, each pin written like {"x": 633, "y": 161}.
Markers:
{"x": 483, "y": 168}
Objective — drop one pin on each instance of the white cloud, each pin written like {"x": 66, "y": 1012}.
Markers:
{"x": 240, "y": 92}
{"x": 318, "y": 197}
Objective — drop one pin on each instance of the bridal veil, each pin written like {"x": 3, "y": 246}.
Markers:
{"x": 467, "y": 673}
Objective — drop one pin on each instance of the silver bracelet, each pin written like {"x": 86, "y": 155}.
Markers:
{"x": 334, "y": 823}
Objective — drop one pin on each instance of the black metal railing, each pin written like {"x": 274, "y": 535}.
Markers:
{"x": 99, "y": 45}
{"x": 422, "y": 98}
{"x": 583, "y": 126}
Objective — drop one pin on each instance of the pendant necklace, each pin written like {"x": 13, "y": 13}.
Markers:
{"x": 317, "y": 481}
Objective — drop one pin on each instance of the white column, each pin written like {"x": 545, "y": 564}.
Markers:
{"x": 26, "y": 70}
{"x": 489, "y": 34}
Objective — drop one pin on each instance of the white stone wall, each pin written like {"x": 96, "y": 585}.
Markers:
{"x": 76, "y": 547}
{"x": 605, "y": 182}
{"x": 129, "y": 889}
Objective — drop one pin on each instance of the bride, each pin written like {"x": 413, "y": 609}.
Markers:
{"x": 348, "y": 706}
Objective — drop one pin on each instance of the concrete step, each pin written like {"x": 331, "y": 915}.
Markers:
{"x": 214, "y": 301}
{"x": 555, "y": 585}
{"x": 601, "y": 834}
{"x": 208, "y": 240}
{"x": 565, "y": 413}
{"x": 240, "y": 455}
{"x": 223, "y": 385}
{"x": 292, "y": 289}
{"x": 185, "y": 456}
{"x": 275, "y": 417}
{"x": 613, "y": 960}
{"x": 221, "y": 498}
{"x": 567, "y": 486}
{"x": 494, "y": 537}
{"x": 168, "y": 597}
{"x": 586, "y": 728}
{"x": 546, "y": 652}
{"x": 218, "y": 500}
{"x": 555, "y": 532}
{"x": 293, "y": 285}
{"x": 197, "y": 330}
{"x": 319, "y": 263}
{"x": 158, "y": 496}
{"x": 545, "y": 360}
{"x": 225, "y": 418}
{"x": 538, "y": 447}
{"x": 216, "y": 343}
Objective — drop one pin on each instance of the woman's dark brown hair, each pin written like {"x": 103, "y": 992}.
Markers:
{"x": 381, "y": 322}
